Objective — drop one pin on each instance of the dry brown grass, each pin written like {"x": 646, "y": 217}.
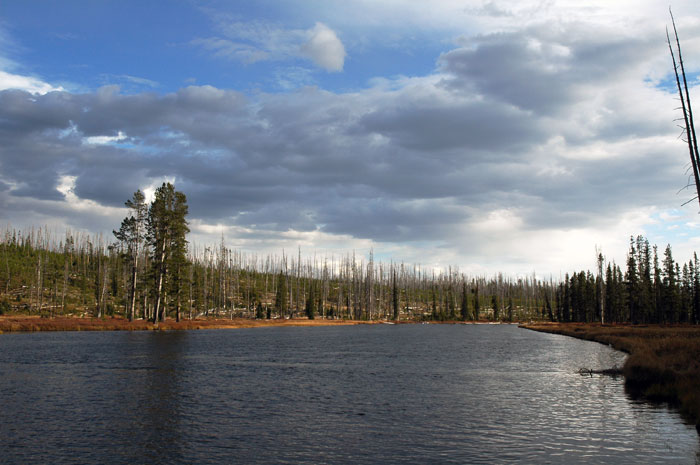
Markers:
{"x": 29, "y": 323}
{"x": 663, "y": 362}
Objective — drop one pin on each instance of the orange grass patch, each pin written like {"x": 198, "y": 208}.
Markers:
{"x": 29, "y": 323}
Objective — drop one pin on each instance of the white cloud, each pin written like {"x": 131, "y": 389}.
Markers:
{"x": 104, "y": 140}
{"x": 324, "y": 48}
{"x": 255, "y": 41}
{"x": 27, "y": 83}
{"x": 523, "y": 150}
{"x": 149, "y": 191}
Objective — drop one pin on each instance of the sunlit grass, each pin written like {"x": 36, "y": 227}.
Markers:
{"x": 28, "y": 324}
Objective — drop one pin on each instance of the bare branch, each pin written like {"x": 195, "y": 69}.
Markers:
{"x": 687, "y": 114}
{"x": 686, "y": 203}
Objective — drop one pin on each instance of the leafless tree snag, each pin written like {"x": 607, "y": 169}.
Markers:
{"x": 684, "y": 95}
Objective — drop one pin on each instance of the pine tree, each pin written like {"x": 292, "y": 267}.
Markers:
{"x": 632, "y": 281}
{"x": 281, "y": 296}
{"x": 167, "y": 229}
{"x": 646, "y": 286}
{"x": 696, "y": 290}
{"x": 658, "y": 297}
{"x": 464, "y": 307}
{"x": 669, "y": 287}
{"x": 131, "y": 235}
{"x": 311, "y": 303}
{"x": 566, "y": 299}
{"x": 511, "y": 307}
{"x": 259, "y": 311}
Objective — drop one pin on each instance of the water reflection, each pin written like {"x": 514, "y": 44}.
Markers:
{"x": 152, "y": 369}
{"x": 375, "y": 394}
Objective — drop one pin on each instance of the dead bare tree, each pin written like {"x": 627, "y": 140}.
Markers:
{"x": 686, "y": 107}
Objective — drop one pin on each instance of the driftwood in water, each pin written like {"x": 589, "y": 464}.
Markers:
{"x": 614, "y": 371}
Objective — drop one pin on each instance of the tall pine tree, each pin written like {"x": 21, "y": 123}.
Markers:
{"x": 167, "y": 229}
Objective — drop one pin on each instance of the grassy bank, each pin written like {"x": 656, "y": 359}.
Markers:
{"x": 663, "y": 362}
{"x": 29, "y": 323}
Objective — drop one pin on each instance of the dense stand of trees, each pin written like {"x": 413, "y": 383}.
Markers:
{"x": 651, "y": 290}
{"x": 151, "y": 272}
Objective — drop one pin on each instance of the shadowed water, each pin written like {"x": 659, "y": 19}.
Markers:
{"x": 361, "y": 394}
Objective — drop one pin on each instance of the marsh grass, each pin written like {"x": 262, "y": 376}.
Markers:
{"x": 663, "y": 363}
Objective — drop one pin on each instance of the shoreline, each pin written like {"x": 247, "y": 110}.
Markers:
{"x": 663, "y": 363}
{"x": 36, "y": 323}
{"x": 24, "y": 324}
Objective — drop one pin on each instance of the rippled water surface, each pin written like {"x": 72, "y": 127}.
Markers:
{"x": 360, "y": 394}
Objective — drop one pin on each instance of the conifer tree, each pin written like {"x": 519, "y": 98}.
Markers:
{"x": 511, "y": 307}
{"x": 167, "y": 229}
{"x": 259, "y": 311}
{"x": 566, "y": 299}
{"x": 131, "y": 234}
{"x": 311, "y": 303}
{"x": 658, "y": 302}
{"x": 670, "y": 293}
{"x": 632, "y": 281}
{"x": 464, "y": 307}
{"x": 281, "y": 296}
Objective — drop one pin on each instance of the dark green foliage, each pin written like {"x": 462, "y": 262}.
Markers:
{"x": 131, "y": 236}
{"x": 464, "y": 307}
{"x": 281, "y": 297}
{"x": 548, "y": 306}
{"x": 166, "y": 234}
{"x": 259, "y": 311}
{"x": 647, "y": 293}
{"x": 695, "y": 279}
{"x": 311, "y": 304}
{"x": 510, "y": 308}
{"x": 670, "y": 295}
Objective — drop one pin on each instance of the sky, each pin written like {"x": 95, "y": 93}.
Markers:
{"x": 492, "y": 136}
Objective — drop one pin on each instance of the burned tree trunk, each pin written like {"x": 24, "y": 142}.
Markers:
{"x": 686, "y": 107}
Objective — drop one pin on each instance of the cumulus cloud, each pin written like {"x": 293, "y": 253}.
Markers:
{"x": 27, "y": 83}
{"x": 539, "y": 70}
{"x": 324, "y": 48}
{"x": 522, "y": 147}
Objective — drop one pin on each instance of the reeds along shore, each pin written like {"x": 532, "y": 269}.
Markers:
{"x": 663, "y": 362}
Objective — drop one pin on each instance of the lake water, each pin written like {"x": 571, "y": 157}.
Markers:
{"x": 353, "y": 394}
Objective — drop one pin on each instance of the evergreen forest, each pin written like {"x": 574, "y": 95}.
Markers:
{"x": 147, "y": 270}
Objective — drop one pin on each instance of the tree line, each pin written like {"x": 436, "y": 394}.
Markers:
{"x": 148, "y": 270}
{"x": 651, "y": 290}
